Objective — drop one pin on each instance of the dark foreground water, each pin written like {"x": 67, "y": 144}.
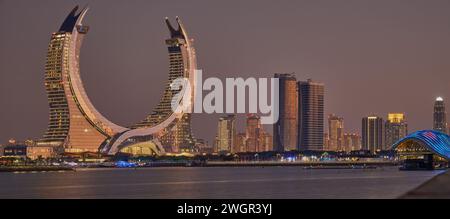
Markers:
{"x": 213, "y": 182}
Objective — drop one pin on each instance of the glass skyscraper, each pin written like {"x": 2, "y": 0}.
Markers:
{"x": 372, "y": 133}
{"x": 310, "y": 115}
{"x": 440, "y": 116}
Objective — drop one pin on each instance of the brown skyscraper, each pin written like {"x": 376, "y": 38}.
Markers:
{"x": 285, "y": 131}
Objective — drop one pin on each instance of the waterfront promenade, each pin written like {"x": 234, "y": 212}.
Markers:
{"x": 435, "y": 188}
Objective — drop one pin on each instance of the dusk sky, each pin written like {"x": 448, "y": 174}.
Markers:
{"x": 375, "y": 56}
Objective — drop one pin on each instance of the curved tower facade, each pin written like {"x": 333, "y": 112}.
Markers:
{"x": 182, "y": 64}
{"x": 74, "y": 123}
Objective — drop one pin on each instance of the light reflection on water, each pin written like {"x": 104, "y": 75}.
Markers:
{"x": 214, "y": 182}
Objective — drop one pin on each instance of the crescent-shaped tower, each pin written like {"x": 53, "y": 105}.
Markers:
{"x": 74, "y": 123}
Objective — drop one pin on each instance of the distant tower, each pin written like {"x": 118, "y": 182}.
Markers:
{"x": 336, "y": 133}
{"x": 352, "y": 142}
{"x": 285, "y": 130}
{"x": 396, "y": 128}
{"x": 253, "y": 132}
{"x": 310, "y": 115}
{"x": 440, "y": 116}
{"x": 226, "y": 134}
{"x": 372, "y": 133}
{"x": 256, "y": 139}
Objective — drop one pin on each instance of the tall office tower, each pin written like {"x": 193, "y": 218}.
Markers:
{"x": 336, "y": 133}
{"x": 372, "y": 133}
{"x": 396, "y": 128}
{"x": 74, "y": 123}
{"x": 352, "y": 142}
{"x": 440, "y": 116}
{"x": 182, "y": 61}
{"x": 310, "y": 114}
{"x": 285, "y": 133}
{"x": 226, "y": 134}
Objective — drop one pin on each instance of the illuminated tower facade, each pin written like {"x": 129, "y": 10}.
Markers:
{"x": 336, "y": 133}
{"x": 396, "y": 128}
{"x": 182, "y": 63}
{"x": 285, "y": 130}
{"x": 74, "y": 123}
{"x": 372, "y": 133}
{"x": 440, "y": 116}
{"x": 226, "y": 134}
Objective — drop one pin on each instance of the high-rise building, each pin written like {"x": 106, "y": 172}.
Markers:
{"x": 352, "y": 142}
{"x": 396, "y": 128}
{"x": 372, "y": 133}
{"x": 310, "y": 115}
{"x": 336, "y": 133}
{"x": 74, "y": 123}
{"x": 285, "y": 130}
{"x": 326, "y": 141}
{"x": 182, "y": 61}
{"x": 241, "y": 140}
{"x": 253, "y": 132}
{"x": 266, "y": 141}
{"x": 226, "y": 134}
{"x": 256, "y": 139}
{"x": 440, "y": 116}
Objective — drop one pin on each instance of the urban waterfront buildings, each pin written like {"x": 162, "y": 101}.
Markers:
{"x": 241, "y": 139}
{"x": 301, "y": 115}
{"x": 372, "y": 133}
{"x": 352, "y": 142}
{"x": 257, "y": 140}
{"x": 311, "y": 115}
{"x": 226, "y": 134}
{"x": 396, "y": 128}
{"x": 440, "y": 116}
{"x": 285, "y": 130}
{"x": 336, "y": 133}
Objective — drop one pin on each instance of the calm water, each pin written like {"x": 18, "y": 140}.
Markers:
{"x": 213, "y": 182}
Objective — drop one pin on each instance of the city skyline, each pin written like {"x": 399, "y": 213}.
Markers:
{"x": 17, "y": 110}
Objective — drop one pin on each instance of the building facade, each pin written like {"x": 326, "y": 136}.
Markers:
{"x": 336, "y": 133}
{"x": 372, "y": 133}
{"x": 352, "y": 142}
{"x": 396, "y": 128}
{"x": 74, "y": 123}
{"x": 285, "y": 130}
{"x": 440, "y": 116}
{"x": 226, "y": 134}
{"x": 310, "y": 115}
{"x": 182, "y": 62}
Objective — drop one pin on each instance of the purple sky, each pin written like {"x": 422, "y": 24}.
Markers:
{"x": 373, "y": 56}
